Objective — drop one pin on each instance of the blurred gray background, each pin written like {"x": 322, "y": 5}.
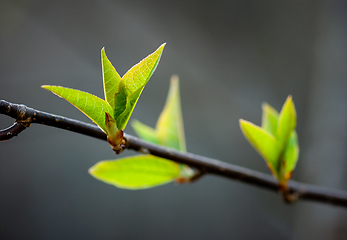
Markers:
{"x": 230, "y": 56}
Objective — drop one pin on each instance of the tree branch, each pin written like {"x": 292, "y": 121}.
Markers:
{"x": 25, "y": 116}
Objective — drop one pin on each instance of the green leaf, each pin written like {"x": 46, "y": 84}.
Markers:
{"x": 131, "y": 86}
{"x": 131, "y": 101}
{"x": 145, "y": 132}
{"x": 138, "y": 172}
{"x": 92, "y": 106}
{"x": 276, "y": 140}
{"x": 264, "y": 143}
{"x": 269, "y": 119}
{"x": 170, "y": 123}
{"x": 291, "y": 155}
{"x": 291, "y": 150}
{"x": 111, "y": 79}
{"x": 121, "y": 94}
{"x": 169, "y": 130}
{"x": 286, "y": 121}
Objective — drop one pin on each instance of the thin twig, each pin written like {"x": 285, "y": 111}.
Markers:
{"x": 296, "y": 190}
{"x": 12, "y": 131}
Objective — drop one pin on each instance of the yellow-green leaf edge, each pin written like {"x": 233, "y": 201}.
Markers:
{"x": 136, "y": 172}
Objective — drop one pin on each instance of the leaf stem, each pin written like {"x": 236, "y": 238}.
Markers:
{"x": 25, "y": 115}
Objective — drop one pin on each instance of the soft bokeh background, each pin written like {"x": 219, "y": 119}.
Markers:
{"x": 231, "y": 56}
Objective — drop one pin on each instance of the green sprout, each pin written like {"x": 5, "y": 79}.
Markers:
{"x": 121, "y": 96}
{"x": 276, "y": 140}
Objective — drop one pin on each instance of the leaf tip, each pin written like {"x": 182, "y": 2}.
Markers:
{"x": 95, "y": 169}
{"x": 50, "y": 88}
{"x": 174, "y": 78}
{"x": 242, "y": 123}
{"x": 174, "y": 85}
{"x": 265, "y": 105}
{"x": 246, "y": 126}
{"x": 91, "y": 170}
{"x": 161, "y": 47}
{"x": 289, "y": 101}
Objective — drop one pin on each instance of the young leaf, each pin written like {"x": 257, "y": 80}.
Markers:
{"x": 92, "y": 106}
{"x": 121, "y": 95}
{"x": 286, "y": 121}
{"x": 131, "y": 101}
{"x": 145, "y": 132}
{"x": 169, "y": 130}
{"x": 131, "y": 86}
{"x": 111, "y": 79}
{"x": 280, "y": 129}
{"x": 138, "y": 172}
{"x": 291, "y": 155}
{"x": 269, "y": 119}
{"x": 170, "y": 123}
{"x": 264, "y": 143}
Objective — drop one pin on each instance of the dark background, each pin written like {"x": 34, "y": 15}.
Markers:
{"x": 231, "y": 56}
